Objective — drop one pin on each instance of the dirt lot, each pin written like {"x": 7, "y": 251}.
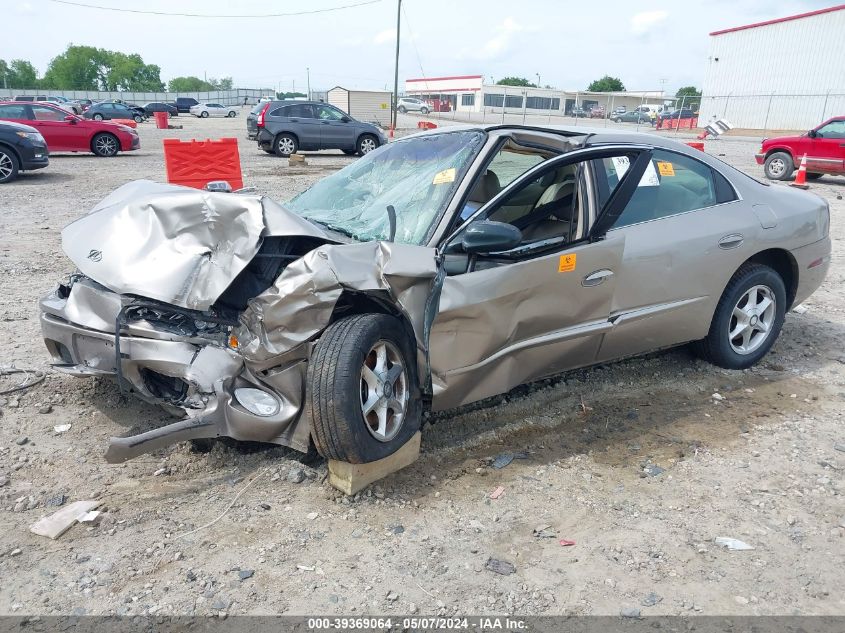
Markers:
{"x": 637, "y": 462}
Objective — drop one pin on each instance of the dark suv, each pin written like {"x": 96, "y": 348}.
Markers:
{"x": 22, "y": 148}
{"x": 184, "y": 104}
{"x": 284, "y": 127}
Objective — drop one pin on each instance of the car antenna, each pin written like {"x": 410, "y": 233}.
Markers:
{"x": 391, "y": 216}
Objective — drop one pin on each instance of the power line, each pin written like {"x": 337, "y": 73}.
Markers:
{"x": 413, "y": 42}
{"x": 206, "y": 15}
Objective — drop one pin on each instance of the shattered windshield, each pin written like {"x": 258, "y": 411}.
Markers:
{"x": 417, "y": 176}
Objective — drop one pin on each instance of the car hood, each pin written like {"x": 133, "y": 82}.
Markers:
{"x": 779, "y": 140}
{"x": 17, "y": 127}
{"x": 176, "y": 244}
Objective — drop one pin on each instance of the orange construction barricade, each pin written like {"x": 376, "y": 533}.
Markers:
{"x": 196, "y": 163}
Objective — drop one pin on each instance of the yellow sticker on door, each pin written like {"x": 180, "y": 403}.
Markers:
{"x": 666, "y": 169}
{"x": 447, "y": 175}
{"x": 567, "y": 263}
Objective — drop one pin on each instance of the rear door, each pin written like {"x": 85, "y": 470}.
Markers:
{"x": 299, "y": 119}
{"x": 335, "y": 132}
{"x": 541, "y": 308}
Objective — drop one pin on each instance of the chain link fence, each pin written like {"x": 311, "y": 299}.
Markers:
{"x": 773, "y": 111}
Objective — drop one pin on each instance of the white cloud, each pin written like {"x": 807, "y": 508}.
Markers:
{"x": 500, "y": 42}
{"x": 642, "y": 23}
{"x": 385, "y": 37}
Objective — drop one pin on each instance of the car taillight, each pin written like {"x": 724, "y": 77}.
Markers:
{"x": 260, "y": 122}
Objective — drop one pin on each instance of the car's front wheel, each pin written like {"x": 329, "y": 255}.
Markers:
{"x": 747, "y": 320}
{"x": 779, "y": 166}
{"x": 362, "y": 397}
{"x": 204, "y": 114}
{"x": 424, "y": 110}
{"x": 8, "y": 165}
{"x": 105, "y": 144}
{"x": 402, "y": 109}
{"x": 138, "y": 118}
{"x": 232, "y": 114}
{"x": 366, "y": 144}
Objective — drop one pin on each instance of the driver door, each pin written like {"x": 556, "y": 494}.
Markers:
{"x": 540, "y": 308}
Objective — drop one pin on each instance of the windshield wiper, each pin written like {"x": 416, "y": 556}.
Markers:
{"x": 391, "y": 217}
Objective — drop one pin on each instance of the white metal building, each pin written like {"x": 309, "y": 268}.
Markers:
{"x": 469, "y": 93}
{"x": 370, "y": 106}
{"x": 787, "y": 73}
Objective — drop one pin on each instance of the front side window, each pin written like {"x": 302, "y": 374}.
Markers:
{"x": 672, "y": 184}
{"x": 834, "y": 129}
{"x": 326, "y": 113}
{"x": 417, "y": 176}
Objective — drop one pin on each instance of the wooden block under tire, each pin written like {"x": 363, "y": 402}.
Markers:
{"x": 352, "y": 478}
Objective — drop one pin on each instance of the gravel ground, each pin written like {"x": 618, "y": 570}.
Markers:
{"x": 638, "y": 463}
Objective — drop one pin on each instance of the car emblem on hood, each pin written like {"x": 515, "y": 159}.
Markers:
{"x": 95, "y": 255}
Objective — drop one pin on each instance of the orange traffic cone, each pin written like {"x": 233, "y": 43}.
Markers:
{"x": 390, "y": 134}
{"x": 801, "y": 178}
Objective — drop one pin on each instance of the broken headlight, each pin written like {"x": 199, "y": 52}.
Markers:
{"x": 257, "y": 402}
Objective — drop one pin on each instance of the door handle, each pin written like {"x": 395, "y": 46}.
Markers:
{"x": 596, "y": 277}
{"x": 731, "y": 241}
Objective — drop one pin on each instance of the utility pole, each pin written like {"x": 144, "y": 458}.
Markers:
{"x": 308, "y": 74}
{"x": 396, "y": 63}
{"x": 539, "y": 85}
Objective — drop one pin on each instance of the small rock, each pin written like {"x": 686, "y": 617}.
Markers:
{"x": 629, "y": 612}
{"x": 412, "y": 608}
{"x": 4, "y": 481}
{"x": 61, "y": 428}
{"x": 839, "y": 447}
{"x": 246, "y": 573}
{"x": 741, "y": 599}
{"x": 220, "y": 605}
{"x": 45, "y": 408}
{"x": 190, "y": 576}
{"x": 392, "y": 596}
{"x": 56, "y": 500}
{"x": 21, "y": 440}
{"x": 312, "y": 515}
{"x": 717, "y": 396}
{"x": 651, "y": 599}
{"x": 502, "y": 567}
{"x": 16, "y": 552}
{"x": 502, "y": 460}
{"x": 264, "y": 506}
{"x": 397, "y": 529}
{"x": 161, "y": 471}
{"x": 652, "y": 470}
{"x": 296, "y": 475}
{"x": 334, "y": 598}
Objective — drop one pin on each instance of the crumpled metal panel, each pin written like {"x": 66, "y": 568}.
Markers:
{"x": 175, "y": 244}
{"x": 299, "y": 305}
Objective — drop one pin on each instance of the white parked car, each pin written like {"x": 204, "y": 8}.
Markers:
{"x": 407, "y": 104}
{"x": 205, "y": 110}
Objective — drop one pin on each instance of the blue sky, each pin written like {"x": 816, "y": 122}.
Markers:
{"x": 567, "y": 43}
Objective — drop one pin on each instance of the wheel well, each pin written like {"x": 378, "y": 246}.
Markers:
{"x": 377, "y": 302}
{"x": 12, "y": 150}
{"x": 783, "y": 263}
{"x": 781, "y": 150}
{"x": 362, "y": 135}
{"x": 289, "y": 133}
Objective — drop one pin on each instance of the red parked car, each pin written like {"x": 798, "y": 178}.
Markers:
{"x": 67, "y": 132}
{"x": 824, "y": 146}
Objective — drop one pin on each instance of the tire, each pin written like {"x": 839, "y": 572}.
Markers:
{"x": 169, "y": 115}
{"x": 366, "y": 144}
{"x": 616, "y": 120}
{"x": 337, "y": 391}
{"x": 778, "y": 166}
{"x": 814, "y": 175}
{"x": 402, "y": 109}
{"x": 97, "y": 117}
{"x": 232, "y": 114}
{"x": 9, "y": 165}
{"x": 424, "y": 111}
{"x": 350, "y": 152}
{"x": 138, "y": 118}
{"x": 204, "y": 114}
{"x": 285, "y": 144}
{"x": 105, "y": 145}
{"x": 718, "y": 347}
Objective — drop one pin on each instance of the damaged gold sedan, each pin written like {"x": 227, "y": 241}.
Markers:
{"x": 438, "y": 270}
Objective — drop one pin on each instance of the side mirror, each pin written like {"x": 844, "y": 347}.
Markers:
{"x": 486, "y": 236}
{"x": 812, "y": 134}
{"x": 345, "y": 119}
{"x": 70, "y": 118}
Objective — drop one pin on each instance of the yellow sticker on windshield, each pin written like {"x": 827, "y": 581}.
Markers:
{"x": 447, "y": 175}
{"x": 567, "y": 263}
{"x": 665, "y": 169}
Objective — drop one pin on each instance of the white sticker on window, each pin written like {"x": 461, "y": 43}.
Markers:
{"x": 649, "y": 179}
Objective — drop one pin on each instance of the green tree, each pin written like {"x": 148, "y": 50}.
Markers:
{"x": 515, "y": 81}
{"x": 129, "y": 72}
{"x": 19, "y": 73}
{"x": 607, "y": 84}
{"x": 689, "y": 96}
{"x": 224, "y": 83}
{"x": 188, "y": 84}
{"x": 89, "y": 68}
{"x": 290, "y": 95}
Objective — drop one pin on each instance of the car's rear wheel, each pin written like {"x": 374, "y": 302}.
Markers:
{"x": 747, "y": 320}
{"x": 286, "y": 144}
{"x": 232, "y": 114}
{"x": 97, "y": 117}
{"x": 366, "y": 144}
{"x": 8, "y": 165}
{"x": 402, "y": 109}
{"x": 204, "y": 114}
{"x": 105, "y": 144}
{"x": 779, "y": 166}
{"x": 362, "y": 397}
{"x": 424, "y": 110}
{"x": 138, "y": 118}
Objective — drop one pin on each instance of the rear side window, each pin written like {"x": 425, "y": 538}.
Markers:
{"x": 13, "y": 112}
{"x": 301, "y": 111}
{"x": 672, "y": 184}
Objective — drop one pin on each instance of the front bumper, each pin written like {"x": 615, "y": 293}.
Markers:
{"x": 188, "y": 375}
{"x": 38, "y": 158}
{"x": 760, "y": 158}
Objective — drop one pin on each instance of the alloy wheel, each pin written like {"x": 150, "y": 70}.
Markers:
{"x": 385, "y": 391}
{"x": 777, "y": 167}
{"x": 286, "y": 145}
{"x": 752, "y": 319}
{"x": 6, "y": 166}
{"x": 367, "y": 145}
{"x": 106, "y": 146}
